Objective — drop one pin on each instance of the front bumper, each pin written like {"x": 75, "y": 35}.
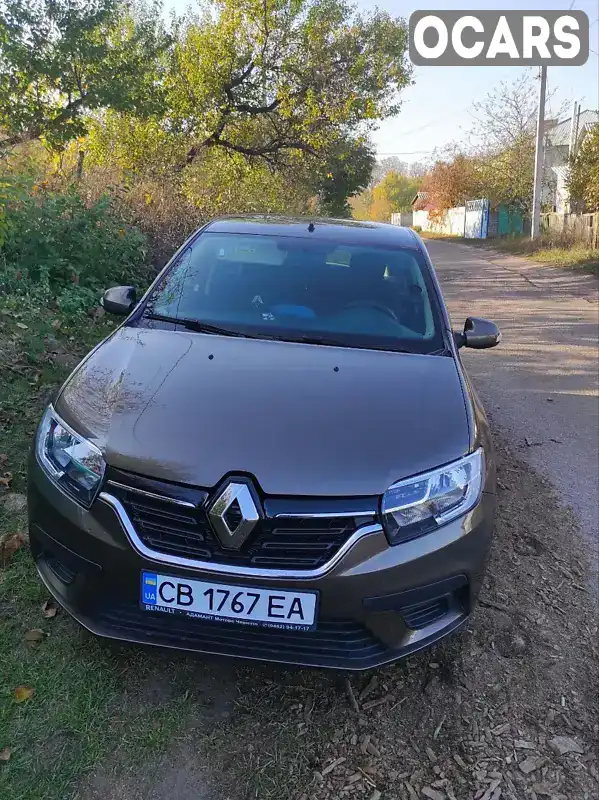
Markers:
{"x": 376, "y": 604}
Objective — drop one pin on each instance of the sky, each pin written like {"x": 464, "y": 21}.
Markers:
{"x": 436, "y": 109}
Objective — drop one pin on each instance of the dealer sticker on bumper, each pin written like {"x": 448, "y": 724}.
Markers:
{"x": 247, "y": 604}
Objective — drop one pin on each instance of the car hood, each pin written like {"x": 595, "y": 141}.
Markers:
{"x": 301, "y": 419}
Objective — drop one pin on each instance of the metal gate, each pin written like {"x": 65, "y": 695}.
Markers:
{"x": 476, "y": 224}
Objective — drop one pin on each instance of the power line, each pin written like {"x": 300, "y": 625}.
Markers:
{"x": 407, "y": 153}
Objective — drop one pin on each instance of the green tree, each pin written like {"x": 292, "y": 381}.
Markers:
{"x": 264, "y": 78}
{"x": 60, "y": 60}
{"x": 394, "y": 192}
{"x": 584, "y": 172}
{"x": 399, "y": 190}
{"x": 344, "y": 173}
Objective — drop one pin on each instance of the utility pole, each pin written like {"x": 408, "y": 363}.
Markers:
{"x": 573, "y": 131}
{"x": 538, "y": 180}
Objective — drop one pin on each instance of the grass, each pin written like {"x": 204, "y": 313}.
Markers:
{"x": 433, "y": 235}
{"x": 72, "y": 720}
{"x": 546, "y": 249}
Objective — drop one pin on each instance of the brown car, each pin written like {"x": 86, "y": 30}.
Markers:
{"x": 277, "y": 455}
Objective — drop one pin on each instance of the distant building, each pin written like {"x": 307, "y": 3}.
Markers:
{"x": 420, "y": 202}
{"x": 563, "y": 139}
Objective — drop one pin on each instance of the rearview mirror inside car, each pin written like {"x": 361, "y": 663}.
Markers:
{"x": 479, "y": 334}
{"x": 119, "y": 299}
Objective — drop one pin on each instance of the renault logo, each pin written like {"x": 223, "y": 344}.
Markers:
{"x": 234, "y": 515}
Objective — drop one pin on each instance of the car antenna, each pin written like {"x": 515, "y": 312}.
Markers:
{"x": 311, "y": 227}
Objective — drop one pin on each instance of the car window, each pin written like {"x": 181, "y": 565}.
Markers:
{"x": 291, "y": 288}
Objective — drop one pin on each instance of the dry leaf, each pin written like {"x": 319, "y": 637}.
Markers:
{"x": 9, "y": 544}
{"x": 23, "y": 693}
{"x": 34, "y": 636}
{"x": 6, "y": 479}
{"x": 5, "y": 754}
{"x": 49, "y": 609}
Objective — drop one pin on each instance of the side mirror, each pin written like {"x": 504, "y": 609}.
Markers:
{"x": 119, "y": 300}
{"x": 478, "y": 334}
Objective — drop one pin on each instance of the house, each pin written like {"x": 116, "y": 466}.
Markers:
{"x": 563, "y": 139}
{"x": 419, "y": 202}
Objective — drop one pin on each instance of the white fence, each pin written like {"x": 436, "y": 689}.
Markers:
{"x": 451, "y": 223}
{"x": 403, "y": 218}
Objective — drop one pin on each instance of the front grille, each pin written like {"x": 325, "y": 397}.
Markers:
{"x": 302, "y": 543}
{"x": 339, "y": 643}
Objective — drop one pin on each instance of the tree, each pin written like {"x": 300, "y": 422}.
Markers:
{"x": 417, "y": 169}
{"x": 266, "y": 77}
{"x": 452, "y": 181}
{"x": 506, "y": 177}
{"x": 506, "y": 114}
{"x": 385, "y": 165}
{"x": 394, "y": 192}
{"x": 504, "y": 129}
{"x": 60, "y": 60}
{"x": 345, "y": 172}
{"x": 583, "y": 183}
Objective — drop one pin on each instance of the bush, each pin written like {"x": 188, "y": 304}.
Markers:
{"x": 54, "y": 246}
{"x": 417, "y": 228}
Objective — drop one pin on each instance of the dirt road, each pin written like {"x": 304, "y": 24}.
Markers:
{"x": 541, "y": 385}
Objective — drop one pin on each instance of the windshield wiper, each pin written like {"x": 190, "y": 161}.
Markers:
{"x": 325, "y": 340}
{"x": 196, "y": 325}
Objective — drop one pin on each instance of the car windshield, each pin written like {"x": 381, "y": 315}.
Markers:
{"x": 297, "y": 289}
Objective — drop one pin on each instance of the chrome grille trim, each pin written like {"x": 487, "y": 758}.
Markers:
{"x": 327, "y": 515}
{"x": 229, "y": 569}
{"x": 163, "y": 497}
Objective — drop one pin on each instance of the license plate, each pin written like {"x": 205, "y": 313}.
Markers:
{"x": 274, "y": 608}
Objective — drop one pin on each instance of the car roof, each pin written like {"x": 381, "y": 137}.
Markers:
{"x": 340, "y": 231}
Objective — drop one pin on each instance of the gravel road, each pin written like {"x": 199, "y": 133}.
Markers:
{"x": 541, "y": 385}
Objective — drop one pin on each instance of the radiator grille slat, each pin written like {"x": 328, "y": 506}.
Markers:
{"x": 274, "y": 543}
{"x": 342, "y": 642}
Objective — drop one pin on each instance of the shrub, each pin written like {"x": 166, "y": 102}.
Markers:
{"x": 417, "y": 228}
{"x": 55, "y": 246}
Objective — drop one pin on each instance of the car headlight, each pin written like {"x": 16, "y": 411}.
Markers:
{"x": 422, "y": 504}
{"x": 73, "y": 463}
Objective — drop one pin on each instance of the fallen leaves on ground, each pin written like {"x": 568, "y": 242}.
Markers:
{"x": 49, "y": 609}
{"x": 34, "y": 636}
{"x": 5, "y": 754}
{"x": 23, "y": 693}
{"x": 9, "y": 544}
{"x": 6, "y": 479}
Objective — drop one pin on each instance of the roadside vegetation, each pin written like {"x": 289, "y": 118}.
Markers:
{"x": 500, "y": 167}
{"x": 548, "y": 249}
{"x": 556, "y": 251}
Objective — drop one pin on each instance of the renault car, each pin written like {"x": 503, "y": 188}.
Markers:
{"x": 277, "y": 455}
